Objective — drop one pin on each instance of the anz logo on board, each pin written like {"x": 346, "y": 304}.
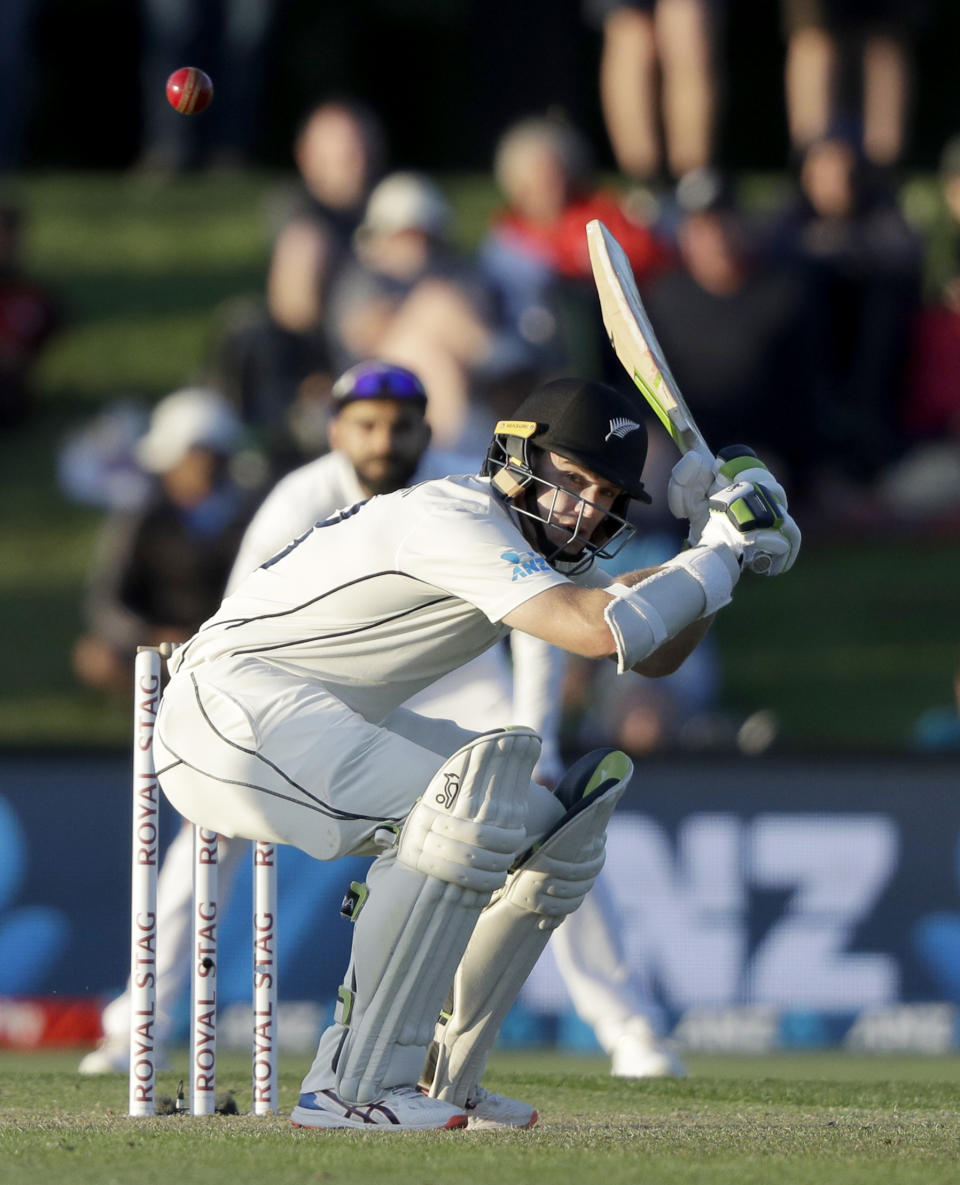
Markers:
{"x": 32, "y": 937}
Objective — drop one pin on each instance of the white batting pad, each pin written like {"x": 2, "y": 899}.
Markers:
{"x": 550, "y": 883}
{"x": 425, "y": 896}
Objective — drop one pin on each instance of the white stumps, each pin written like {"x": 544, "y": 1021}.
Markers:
{"x": 203, "y": 983}
{"x": 206, "y": 919}
{"x": 143, "y": 894}
{"x": 264, "y": 978}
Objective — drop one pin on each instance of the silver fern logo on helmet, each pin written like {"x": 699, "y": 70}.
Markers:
{"x": 621, "y": 427}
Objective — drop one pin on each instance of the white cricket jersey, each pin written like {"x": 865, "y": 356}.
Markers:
{"x": 383, "y": 598}
{"x": 312, "y": 492}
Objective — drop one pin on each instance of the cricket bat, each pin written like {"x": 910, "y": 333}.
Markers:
{"x": 634, "y": 341}
{"x": 636, "y": 345}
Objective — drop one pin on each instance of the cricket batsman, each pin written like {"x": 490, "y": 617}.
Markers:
{"x": 282, "y": 721}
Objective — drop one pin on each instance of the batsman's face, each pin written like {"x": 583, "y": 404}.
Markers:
{"x": 573, "y": 503}
{"x": 383, "y": 439}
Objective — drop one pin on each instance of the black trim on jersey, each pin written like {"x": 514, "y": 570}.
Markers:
{"x": 339, "y": 634}
{"x": 338, "y": 516}
{"x": 307, "y": 806}
{"x": 314, "y": 803}
{"x": 237, "y": 622}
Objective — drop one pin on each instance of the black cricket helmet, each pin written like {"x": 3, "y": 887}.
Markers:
{"x": 590, "y": 424}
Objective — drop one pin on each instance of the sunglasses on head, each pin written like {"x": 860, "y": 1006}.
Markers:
{"x": 380, "y": 384}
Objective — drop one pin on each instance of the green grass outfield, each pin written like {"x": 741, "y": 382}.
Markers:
{"x": 790, "y": 1120}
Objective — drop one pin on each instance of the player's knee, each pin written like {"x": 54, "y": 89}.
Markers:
{"x": 473, "y": 855}
{"x": 555, "y": 876}
{"x": 470, "y": 823}
{"x": 555, "y": 887}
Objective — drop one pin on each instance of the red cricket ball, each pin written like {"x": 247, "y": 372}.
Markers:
{"x": 189, "y": 90}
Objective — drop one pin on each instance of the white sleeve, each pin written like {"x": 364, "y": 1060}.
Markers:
{"x": 268, "y": 530}
{"x": 305, "y": 497}
{"x": 294, "y": 504}
{"x": 473, "y": 552}
{"x": 539, "y": 670}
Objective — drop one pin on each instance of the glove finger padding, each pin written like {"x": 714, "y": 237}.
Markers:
{"x": 748, "y": 518}
{"x": 756, "y": 476}
{"x": 690, "y": 482}
{"x": 688, "y": 490}
{"x": 745, "y": 465}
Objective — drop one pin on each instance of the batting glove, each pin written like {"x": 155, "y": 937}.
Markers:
{"x": 688, "y": 490}
{"x": 747, "y": 517}
{"x": 695, "y": 478}
{"x": 738, "y": 462}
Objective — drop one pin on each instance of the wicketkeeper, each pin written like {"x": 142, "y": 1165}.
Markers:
{"x": 282, "y": 721}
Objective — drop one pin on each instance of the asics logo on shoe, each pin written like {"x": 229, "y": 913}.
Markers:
{"x": 400, "y": 1108}
{"x": 366, "y": 1113}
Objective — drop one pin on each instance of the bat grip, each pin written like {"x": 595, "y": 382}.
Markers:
{"x": 689, "y": 440}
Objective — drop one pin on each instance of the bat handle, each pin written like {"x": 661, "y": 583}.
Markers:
{"x": 689, "y": 440}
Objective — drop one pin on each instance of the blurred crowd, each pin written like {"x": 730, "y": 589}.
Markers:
{"x": 819, "y": 325}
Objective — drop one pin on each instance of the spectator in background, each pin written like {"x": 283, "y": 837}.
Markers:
{"x": 228, "y": 39}
{"x": 339, "y": 153}
{"x": 733, "y": 330}
{"x": 931, "y": 410}
{"x": 832, "y": 45}
{"x": 923, "y": 484}
{"x": 535, "y": 255}
{"x": 408, "y": 296}
{"x": 28, "y": 318}
{"x": 268, "y": 350}
{"x": 843, "y": 235}
{"x": 659, "y": 83}
{"x": 160, "y": 570}
{"x": 940, "y": 221}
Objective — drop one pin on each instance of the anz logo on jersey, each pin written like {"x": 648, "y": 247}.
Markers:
{"x": 524, "y": 564}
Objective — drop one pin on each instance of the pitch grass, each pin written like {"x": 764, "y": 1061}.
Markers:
{"x": 817, "y": 1119}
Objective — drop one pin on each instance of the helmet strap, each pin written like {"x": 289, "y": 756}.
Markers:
{"x": 508, "y": 482}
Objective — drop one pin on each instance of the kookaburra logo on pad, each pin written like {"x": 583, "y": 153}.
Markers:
{"x": 450, "y": 790}
{"x": 621, "y": 427}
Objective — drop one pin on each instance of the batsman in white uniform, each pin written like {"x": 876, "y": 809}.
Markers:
{"x": 283, "y": 721}
{"x": 379, "y": 445}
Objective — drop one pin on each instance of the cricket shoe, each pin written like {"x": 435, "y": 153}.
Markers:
{"x": 638, "y": 1054}
{"x": 401, "y": 1108}
{"x": 111, "y": 1056}
{"x": 487, "y": 1111}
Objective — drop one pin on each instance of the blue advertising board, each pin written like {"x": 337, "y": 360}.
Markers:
{"x": 761, "y": 901}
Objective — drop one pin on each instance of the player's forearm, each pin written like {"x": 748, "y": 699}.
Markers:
{"x": 569, "y": 617}
{"x": 674, "y": 652}
{"x": 656, "y": 622}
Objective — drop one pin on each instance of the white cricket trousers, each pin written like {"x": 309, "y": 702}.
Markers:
{"x": 254, "y": 752}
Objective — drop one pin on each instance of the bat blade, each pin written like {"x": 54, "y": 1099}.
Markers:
{"x": 634, "y": 341}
